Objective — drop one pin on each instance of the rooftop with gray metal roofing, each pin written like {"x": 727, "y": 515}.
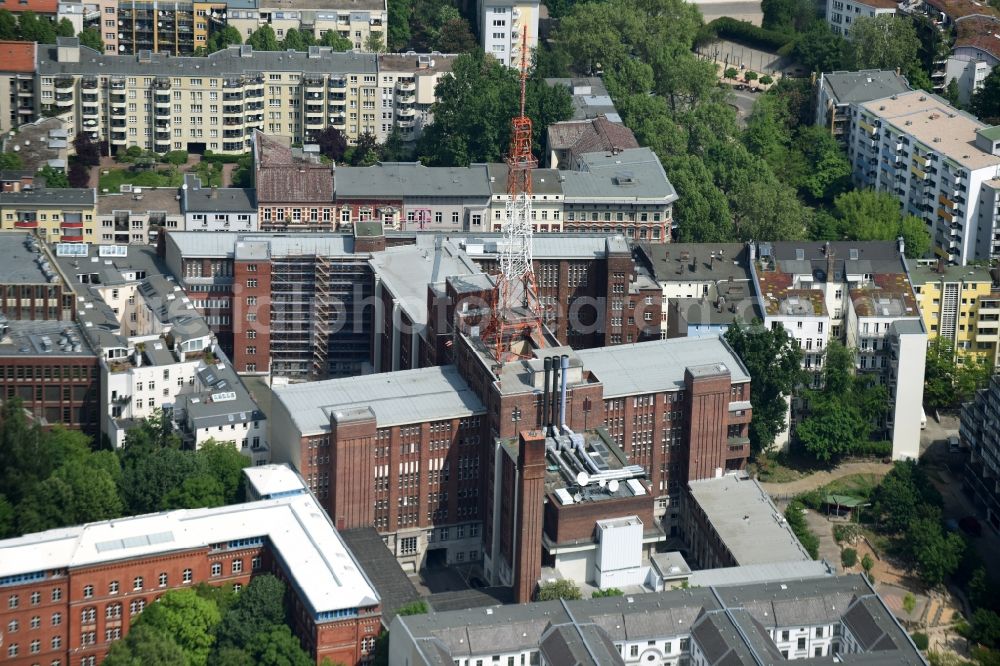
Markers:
{"x": 20, "y": 253}
{"x": 627, "y": 369}
{"x": 68, "y": 196}
{"x": 394, "y": 398}
{"x": 687, "y": 262}
{"x": 864, "y": 85}
{"x": 43, "y": 337}
{"x": 396, "y": 180}
{"x": 195, "y": 198}
{"x": 746, "y": 520}
{"x": 590, "y": 98}
{"x": 229, "y": 62}
{"x": 633, "y": 175}
{"x": 921, "y": 274}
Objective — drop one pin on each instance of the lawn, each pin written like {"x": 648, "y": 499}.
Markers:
{"x": 855, "y": 485}
{"x": 160, "y": 177}
{"x": 782, "y": 467}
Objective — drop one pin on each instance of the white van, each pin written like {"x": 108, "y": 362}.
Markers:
{"x": 923, "y": 419}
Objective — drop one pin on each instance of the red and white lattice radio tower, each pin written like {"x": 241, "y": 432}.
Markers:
{"x": 516, "y": 312}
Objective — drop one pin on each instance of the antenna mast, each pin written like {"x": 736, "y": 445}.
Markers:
{"x": 516, "y": 309}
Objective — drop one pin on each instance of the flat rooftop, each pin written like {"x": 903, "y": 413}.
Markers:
{"x": 626, "y": 369}
{"x": 46, "y": 338}
{"x": 701, "y": 262}
{"x": 154, "y": 199}
{"x": 19, "y": 259}
{"x": 420, "y": 65}
{"x": 327, "y": 5}
{"x": 936, "y": 124}
{"x": 270, "y": 481}
{"x": 318, "y": 563}
{"x": 393, "y": 398}
{"x": 746, "y": 520}
{"x": 921, "y": 275}
{"x": 865, "y": 85}
{"x": 889, "y": 295}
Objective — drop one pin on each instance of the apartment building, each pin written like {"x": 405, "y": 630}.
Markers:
{"x": 17, "y": 84}
{"x": 981, "y": 478}
{"x": 66, "y": 215}
{"x": 960, "y": 304}
{"x": 71, "y": 592}
{"x": 860, "y": 295}
{"x": 352, "y": 20}
{"x": 837, "y": 92}
{"x": 975, "y": 53}
{"x": 216, "y": 102}
{"x": 840, "y": 14}
{"x": 138, "y": 215}
{"x": 503, "y": 26}
{"x": 155, "y": 351}
{"x": 941, "y": 163}
{"x": 448, "y": 446}
{"x": 216, "y": 208}
{"x": 813, "y": 621}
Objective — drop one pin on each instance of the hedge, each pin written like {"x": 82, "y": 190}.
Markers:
{"x": 793, "y": 514}
{"x": 217, "y": 158}
{"x": 746, "y": 33}
{"x": 879, "y": 449}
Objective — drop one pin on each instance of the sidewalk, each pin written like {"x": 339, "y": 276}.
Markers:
{"x": 821, "y": 478}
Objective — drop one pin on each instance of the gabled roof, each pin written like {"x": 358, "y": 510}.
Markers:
{"x": 979, "y": 32}
{"x": 587, "y": 136}
{"x": 17, "y": 56}
{"x": 284, "y": 177}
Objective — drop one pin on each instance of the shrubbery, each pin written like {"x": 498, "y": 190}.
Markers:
{"x": 798, "y": 524}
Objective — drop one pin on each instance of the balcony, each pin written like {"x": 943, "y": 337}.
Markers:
{"x": 231, "y": 109}
{"x": 406, "y": 86}
{"x": 232, "y": 97}
{"x": 337, "y": 82}
{"x": 26, "y": 221}
{"x": 64, "y": 100}
{"x": 314, "y": 121}
{"x": 90, "y": 111}
{"x": 163, "y": 100}
{"x": 405, "y": 113}
{"x": 64, "y": 83}
{"x": 406, "y": 124}
{"x": 405, "y": 98}
{"x": 117, "y": 84}
{"x": 89, "y": 83}
{"x": 232, "y": 83}
{"x": 118, "y": 138}
{"x": 313, "y": 85}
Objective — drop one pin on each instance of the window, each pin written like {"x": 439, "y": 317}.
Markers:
{"x": 12, "y": 626}
{"x": 801, "y": 643}
{"x": 408, "y": 545}
{"x": 36, "y": 622}
{"x": 137, "y": 583}
{"x": 36, "y": 597}
{"x": 251, "y": 284}
{"x": 56, "y": 644}
{"x": 163, "y": 580}
{"x": 113, "y": 587}
{"x": 88, "y": 591}
{"x": 56, "y": 619}
{"x": 216, "y": 569}
{"x": 13, "y": 601}
{"x": 237, "y": 566}
{"x": 255, "y": 563}
{"x": 186, "y": 578}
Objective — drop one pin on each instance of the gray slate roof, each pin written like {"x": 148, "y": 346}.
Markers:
{"x": 196, "y": 198}
{"x": 631, "y": 175}
{"x": 397, "y": 180}
{"x": 865, "y": 85}
{"x": 69, "y": 196}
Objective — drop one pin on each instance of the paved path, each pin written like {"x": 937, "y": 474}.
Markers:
{"x": 821, "y": 478}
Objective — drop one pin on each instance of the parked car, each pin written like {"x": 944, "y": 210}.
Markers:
{"x": 954, "y": 444}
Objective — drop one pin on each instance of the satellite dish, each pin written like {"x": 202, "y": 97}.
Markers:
{"x": 582, "y": 479}
{"x": 613, "y": 485}
{"x": 602, "y": 482}
{"x": 578, "y": 498}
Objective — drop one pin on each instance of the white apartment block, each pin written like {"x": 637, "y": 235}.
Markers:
{"x": 975, "y": 53}
{"x": 841, "y": 14}
{"x": 861, "y": 295}
{"x": 502, "y": 25}
{"x": 942, "y": 164}
{"x": 354, "y": 20}
{"x": 216, "y": 102}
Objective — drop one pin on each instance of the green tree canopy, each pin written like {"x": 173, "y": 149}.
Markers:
{"x": 819, "y": 49}
{"x": 297, "y": 40}
{"x": 221, "y": 39}
{"x": 559, "y": 589}
{"x": 336, "y": 41}
{"x": 904, "y": 495}
{"x": 788, "y": 15}
{"x": 258, "y": 608}
{"x": 985, "y": 102}
{"x": 885, "y": 41}
{"x": 935, "y": 552}
{"x": 91, "y": 37}
{"x": 264, "y": 39}
{"x": 8, "y": 25}
{"x": 145, "y": 646}
{"x": 54, "y": 178}
{"x": 870, "y": 215}
{"x": 773, "y": 358}
{"x": 33, "y": 28}
{"x": 455, "y": 36}
{"x": 186, "y": 617}
{"x": 474, "y": 106}
{"x": 374, "y": 42}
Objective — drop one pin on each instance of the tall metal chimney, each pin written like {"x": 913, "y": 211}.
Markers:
{"x": 562, "y": 391}
{"x": 553, "y": 395}
{"x": 545, "y": 423}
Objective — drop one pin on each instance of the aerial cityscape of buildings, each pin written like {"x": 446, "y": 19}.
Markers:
{"x": 516, "y": 371}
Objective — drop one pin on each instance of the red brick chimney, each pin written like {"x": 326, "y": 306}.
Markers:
{"x": 530, "y": 510}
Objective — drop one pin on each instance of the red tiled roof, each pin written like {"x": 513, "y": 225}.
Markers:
{"x": 589, "y": 136}
{"x": 37, "y": 6}
{"x": 284, "y": 178}
{"x": 17, "y": 56}
{"x": 956, "y": 9}
{"x": 979, "y": 32}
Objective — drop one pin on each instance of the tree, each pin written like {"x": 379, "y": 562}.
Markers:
{"x": 413, "y": 608}
{"x": 10, "y": 160}
{"x": 365, "y": 151}
{"x": 984, "y": 628}
{"x": 772, "y": 357}
{"x": 87, "y": 152}
{"x": 258, "y": 608}
{"x": 91, "y": 37}
{"x": 150, "y": 475}
{"x": 64, "y": 28}
{"x": 826, "y": 170}
{"x": 80, "y": 491}
{"x": 985, "y": 102}
{"x": 871, "y": 215}
{"x": 935, "y": 553}
{"x": 766, "y": 80}
{"x": 400, "y": 12}
{"x": 8, "y": 26}
{"x": 54, "y": 178}
{"x": 885, "y": 41}
{"x": 374, "y": 43}
{"x": 916, "y": 238}
{"x": 145, "y": 646}
{"x": 276, "y": 646}
{"x": 7, "y": 519}
{"x": 904, "y": 494}
{"x": 608, "y": 592}
{"x": 221, "y": 39}
{"x": 819, "y": 49}
{"x": 749, "y": 76}
{"x": 909, "y": 603}
{"x": 189, "y": 619}
{"x": 264, "y": 39}
{"x": 297, "y": 40}
{"x": 35, "y": 29}
{"x": 798, "y": 525}
{"x": 332, "y": 143}
{"x": 732, "y": 73}
{"x": 336, "y": 41}
{"x": 867, "y": 563}
{"x": 787, "y": 15}
{"x": 848, "y": 557}
{"x": 456, "y": 37}
{"x": 394, "y": 149}
{"x": 200, "y": 490}
{"x": 224, "y": 463}
{"x": 559, "y": 589}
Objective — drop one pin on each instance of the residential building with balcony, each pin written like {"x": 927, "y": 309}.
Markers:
{"x": 174, "y": 28}
{"x": 960, "y": 304}
{"x": 812, "y": 621}
{"x": 861, "y": 295}
{"x": 841, "y": 14}
{"x": 90, "y": 582}
{"x": 66, "y": 215}
{"x": 837, "y": 92}
{"x": 941, "y": 163}
{"x": 502, "y": 26}
{"x": 979, "y": 434}
{"x": 974, "y": 54}
{"x": 352, "y": 20}
{"x": 138, "y": 215}
{"x": 17, "y": 84}
{"x": 407, "y": 84}
{"x": 155, "y": 351}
